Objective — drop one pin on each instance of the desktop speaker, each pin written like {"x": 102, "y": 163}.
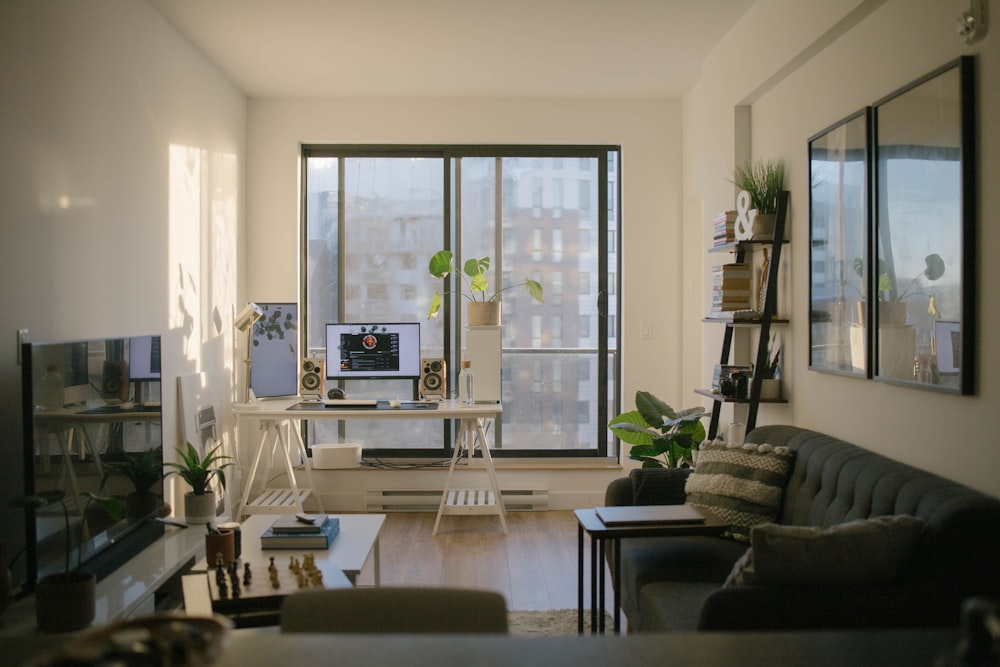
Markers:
{"x": 311, "y": 377}
{"x": 432, "y": 378}
{"x": 114, "y": 380}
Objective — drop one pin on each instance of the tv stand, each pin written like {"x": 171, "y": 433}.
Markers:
{"x": 129, "y": 591}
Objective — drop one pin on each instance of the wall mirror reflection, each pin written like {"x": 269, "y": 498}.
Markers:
{"x": 839, "y": 221}
{"x": 924, "y": 231}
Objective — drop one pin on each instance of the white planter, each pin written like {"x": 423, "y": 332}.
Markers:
{"x": 770, "y": 389}
{"x": 199, "y": 509}
{"x": 482, "y": 313}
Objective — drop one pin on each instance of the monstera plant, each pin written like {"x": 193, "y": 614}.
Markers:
{"x": 661, "y": 437}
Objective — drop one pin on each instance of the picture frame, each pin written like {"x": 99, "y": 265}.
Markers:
{"x": 947, "y": 348}
{"x": 839, "y": 246}
{"x": 924, "y": 210}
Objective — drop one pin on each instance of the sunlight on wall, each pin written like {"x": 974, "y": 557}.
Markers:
{"x": 202, "y": 257}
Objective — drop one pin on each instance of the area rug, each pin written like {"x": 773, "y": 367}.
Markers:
{"x": 550, "y": 623}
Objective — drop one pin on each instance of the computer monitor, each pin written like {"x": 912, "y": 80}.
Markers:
{"x": 144, "y": 358}
{"x": 388, "y": 351}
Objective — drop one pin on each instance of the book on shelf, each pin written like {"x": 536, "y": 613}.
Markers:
{"x": 724, "y": 228}
{"x": 291, "y": 523}
{"x": 725, "y": 372}
{"x": 321, "y": 540}
{"x": 742, "y": 315}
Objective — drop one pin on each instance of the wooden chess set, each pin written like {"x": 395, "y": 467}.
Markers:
{"x": 254, "y": 588}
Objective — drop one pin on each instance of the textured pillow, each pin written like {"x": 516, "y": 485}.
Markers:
{"x": 856, "y": 552}
{"x": 740, "y": 484}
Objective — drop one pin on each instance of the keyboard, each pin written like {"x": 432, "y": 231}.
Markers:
{"x": 361, "y": 404}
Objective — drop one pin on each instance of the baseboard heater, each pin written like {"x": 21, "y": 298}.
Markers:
{"x": 428, "y": 500}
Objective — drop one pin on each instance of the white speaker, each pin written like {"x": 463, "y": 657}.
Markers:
{"x": 433, "y": 379}
{"x": 311, "y": 375}
{"x": 482, "y": 348}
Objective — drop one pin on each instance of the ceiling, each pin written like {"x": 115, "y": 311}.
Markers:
{"x": 456, "y": 48}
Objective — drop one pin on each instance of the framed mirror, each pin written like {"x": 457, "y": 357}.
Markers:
{"x": 925, "y": 212}
{"x": 839, "y": 222}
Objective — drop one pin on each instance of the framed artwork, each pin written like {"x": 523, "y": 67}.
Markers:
{"x": 924, "y": 231}
{"x": 274, "y": 351}
{"x": 839, "y": 223}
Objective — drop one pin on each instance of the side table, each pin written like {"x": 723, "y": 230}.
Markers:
{"x": 589, "y": 522}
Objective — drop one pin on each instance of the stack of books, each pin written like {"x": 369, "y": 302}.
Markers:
{"x": 731, "y": 287}
{"x": 291, "y": 532}
{"x": 724, "y": 228}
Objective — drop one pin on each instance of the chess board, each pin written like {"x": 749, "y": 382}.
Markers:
{"x": 233, "y": 593}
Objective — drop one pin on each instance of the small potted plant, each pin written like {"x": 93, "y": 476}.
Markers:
{"x": 660, "y": 436}
{"x": 199, "y": 471}
{"x": 65, "y": 601}
{"x": 763, "y": 179}
{"x": 483, "y": 304}
{"x": 770, "y": 385}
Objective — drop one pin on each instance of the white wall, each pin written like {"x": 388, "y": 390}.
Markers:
{"x": 815, "y": 72}
{"x": 121, "y": 181}
{"x": 647, "y": 130}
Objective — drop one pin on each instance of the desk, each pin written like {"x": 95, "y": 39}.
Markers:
{"x": 277, "y": 419}
{"x": 590, "y": 523}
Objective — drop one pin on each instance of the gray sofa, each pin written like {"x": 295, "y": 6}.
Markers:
{"x": 677, "y": 583}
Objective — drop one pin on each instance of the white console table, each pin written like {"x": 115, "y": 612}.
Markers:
{"x": 128, "y": 591}
{"x": 279, "y": 421}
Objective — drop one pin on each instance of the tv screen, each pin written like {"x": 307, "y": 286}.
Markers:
{"x": 144, "y": 358}
{"x": 373, "y": 350}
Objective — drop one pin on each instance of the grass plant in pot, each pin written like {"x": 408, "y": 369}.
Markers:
{"x": 483, "y": 308}
{"x": 770, "y": 385}
{"x": 199, "y": 471}
{"x": 763, "y": 179}
{"x": 661, "y": 437}
{"x": 66, "y": 601}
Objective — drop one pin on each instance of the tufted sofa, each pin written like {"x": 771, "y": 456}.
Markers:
{"x": 677, "y": 583}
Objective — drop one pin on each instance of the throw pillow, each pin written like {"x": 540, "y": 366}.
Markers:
{"x": 740, "y": 484}
{"x": 658, "y": 486}
{"x": 857, "y": 552}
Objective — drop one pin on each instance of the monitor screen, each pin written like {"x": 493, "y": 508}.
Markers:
{"x": 144, "y": 358}
{"x": 373, "y": 350}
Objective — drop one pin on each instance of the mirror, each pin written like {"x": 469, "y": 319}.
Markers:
{"x": 924, "y": 273}
{"x": 838, "y": 246}
{"x": 95, "y": 429}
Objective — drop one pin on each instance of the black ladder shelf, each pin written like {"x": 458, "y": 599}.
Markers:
{"x": 764, "y": 323}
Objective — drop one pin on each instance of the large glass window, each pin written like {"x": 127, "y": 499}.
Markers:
{"x": 373, "y": 217}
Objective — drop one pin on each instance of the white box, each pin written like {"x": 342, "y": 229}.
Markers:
{"x": 331, "y": 456}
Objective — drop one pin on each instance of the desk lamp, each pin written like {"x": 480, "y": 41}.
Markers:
{"x": 244, "y": 322}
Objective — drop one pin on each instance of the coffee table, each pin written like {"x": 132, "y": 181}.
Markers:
{"x": 590, "y": 523}
{"x": 355, "y": 544}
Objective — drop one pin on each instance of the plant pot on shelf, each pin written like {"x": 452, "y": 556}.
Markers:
{"x": 140, "y": 505}
{"x": 770, "y": 389}
{"x": 892, "y": 313}
{"x": 763, "y": 227}
{"x": 483, "y": 313}
{"x": 65, "y": 602}
{"x": 199, "y": 508}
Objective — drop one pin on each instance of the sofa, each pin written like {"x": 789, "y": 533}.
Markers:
{"x": 685, "y": 583}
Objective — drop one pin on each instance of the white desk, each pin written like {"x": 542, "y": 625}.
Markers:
{"x": 277, "y": 418}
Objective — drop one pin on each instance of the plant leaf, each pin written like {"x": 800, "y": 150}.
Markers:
{"x": 652, "y": 409}
{"x": 535, "y": 290}
{"x": 441, "y": 264}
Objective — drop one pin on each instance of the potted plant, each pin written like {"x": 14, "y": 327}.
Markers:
{"x": 143, "y": 470}
{"x": 660, "y": 436}
{"x": 763, "y": 179}
{"x": 892, "y": 306}
{"x": 199, "y": 471}
{"x": 65, "y": 601}
{"x": 770, "y": 385}
{"x": 480, "y": 298}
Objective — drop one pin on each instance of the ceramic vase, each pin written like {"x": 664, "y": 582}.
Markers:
{"x": 199, "y": 508}
{"x": 65, "y": 602}
{"x": 482, "y": 313}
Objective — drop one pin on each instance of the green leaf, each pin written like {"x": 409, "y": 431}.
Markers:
{"x": 652, "y": 409}
{"x": 633, "y": 436}
{"x": 441, "y": 264}
{"x": 435, "y": 305}
{"x": 535, "y": 290}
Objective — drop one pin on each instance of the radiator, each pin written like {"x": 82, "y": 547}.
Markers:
{"x": 428, "y": 500}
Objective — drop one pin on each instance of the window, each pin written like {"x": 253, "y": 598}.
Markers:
{"x": 374, "y": 215}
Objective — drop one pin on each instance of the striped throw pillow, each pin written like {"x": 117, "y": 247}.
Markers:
{"x": 740, "y": 484}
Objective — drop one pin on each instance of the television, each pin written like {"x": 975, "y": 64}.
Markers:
{"x": 80, "y": 437}
{"x": 373, "y": 350}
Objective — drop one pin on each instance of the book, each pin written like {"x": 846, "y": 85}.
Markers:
{"x": 321, "y": 540}
{"x": 289, "y": 523}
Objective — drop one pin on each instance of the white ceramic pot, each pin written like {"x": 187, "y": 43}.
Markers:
{"x": 482, "y": 313}
{"x": 770, "y": 389}
{"x": 199, "y": 509}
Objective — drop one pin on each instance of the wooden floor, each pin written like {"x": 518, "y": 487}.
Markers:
{"x": 534, "y": 567}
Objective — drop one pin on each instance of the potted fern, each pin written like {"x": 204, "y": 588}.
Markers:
{"x": 661, "y": 437}
{"x": 483, "y": 308}
{"x": 199, "y": 471}
{"x": 66, "y": 601}
{"x": 143, "y": 470}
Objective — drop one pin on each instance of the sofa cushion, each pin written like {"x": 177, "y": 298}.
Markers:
{"x": 857, "y": 552}
{"x": 741, "y": 484}
{"x": 658, "y": 486}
